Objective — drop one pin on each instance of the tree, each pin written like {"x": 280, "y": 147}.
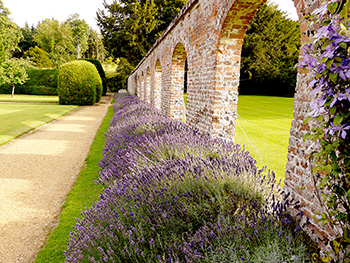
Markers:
{"x": 80, "y": 31}
{"x": 13, "y": 72}
{"x": 119, "y": 80}
{"x": 9, "y": 32}
{"x": 39, "y": 57}
{"x": 26, "y": 41}
{"x": 95, "y": 47}
{"x": 2, "y": 51}
{"x": 56, "y": 39}
{"x": 270, "y": 52}
{"x": 130, "y": 27}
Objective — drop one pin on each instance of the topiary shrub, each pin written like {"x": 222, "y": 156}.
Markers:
{"x": 100, "y": 71}
{"x": 79, "y": 83}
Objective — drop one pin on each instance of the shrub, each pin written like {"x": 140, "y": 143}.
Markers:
{"x": 100, "y": 71}
{"x": 118, "y": 80}
{"x": 174, "y": 194}
{"x": 78, "y": 83}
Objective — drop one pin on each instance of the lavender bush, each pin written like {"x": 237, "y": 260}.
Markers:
{"x": 173, "y": 194}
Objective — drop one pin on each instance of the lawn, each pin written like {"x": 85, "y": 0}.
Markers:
{"x": 28, "y": 98}
{"x": 17, "y": 119}
{"x": 263, "y": 126}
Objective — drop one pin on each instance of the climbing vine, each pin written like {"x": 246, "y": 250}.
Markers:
{"x": 327, "y": 57}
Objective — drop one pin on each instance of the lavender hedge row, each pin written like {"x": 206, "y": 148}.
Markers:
{"x": 174, "y": 194}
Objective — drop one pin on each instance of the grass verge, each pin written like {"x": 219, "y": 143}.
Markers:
{"x": 28, "y": 98}
{"x": 84, "y": 193}
{"x": 17, "y": 119}
{"x": 263, "y": 127}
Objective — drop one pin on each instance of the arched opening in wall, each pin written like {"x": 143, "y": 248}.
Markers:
{"x": 142, "y": 87}
{"x": 177, "y": 92}
{"x": 148, "y": 86}
{"x": 157, "y": 84}
{"x": 135, "y": 85}
{"x": 260, "y": 121}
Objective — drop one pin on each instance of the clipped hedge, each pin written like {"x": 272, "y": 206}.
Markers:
{"x": 79, "y": 83}
{"x": 41, "y": 82}
{"x": 100, "y": 71}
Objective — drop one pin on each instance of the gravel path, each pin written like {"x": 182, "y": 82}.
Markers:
{"x": 37, "y": 171}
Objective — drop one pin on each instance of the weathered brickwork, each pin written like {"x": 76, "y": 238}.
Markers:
{"x": 209, "y": 34}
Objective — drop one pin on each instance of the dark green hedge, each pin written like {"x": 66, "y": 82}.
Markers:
{"x": 41, "y": 82}
{"x": 116, "y": 83}
{"x": 100, "y": 71}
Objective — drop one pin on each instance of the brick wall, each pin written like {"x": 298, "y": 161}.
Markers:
{"x": 209, "y": 34}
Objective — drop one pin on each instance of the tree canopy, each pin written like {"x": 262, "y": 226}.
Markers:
{"x": 56, "y": 39}
{"x": 80, "y": 33}
{"x": 9, "y": 32}
{"x": 130, "y": 27}
{"x": 270, "y": 52}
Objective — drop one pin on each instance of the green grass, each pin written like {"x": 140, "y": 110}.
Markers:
{"x": 17, "y": 119}
{"x": 263, "y": 127}
{"x": 84, "y": 193}
{"x": 28, "y": 98}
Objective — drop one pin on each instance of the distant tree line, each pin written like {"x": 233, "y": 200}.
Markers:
{"x": 270, "y": 53}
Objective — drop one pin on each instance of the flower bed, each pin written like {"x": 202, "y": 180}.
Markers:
{"x": 174, "y": 194}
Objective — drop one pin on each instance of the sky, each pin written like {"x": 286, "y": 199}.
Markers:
{"x": 34, "y": 11}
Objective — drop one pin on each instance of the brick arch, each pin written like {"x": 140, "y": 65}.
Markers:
{"x": 227, "y": 68}
{"x": 177, "y": 103}
{"x": 157, "y": 83}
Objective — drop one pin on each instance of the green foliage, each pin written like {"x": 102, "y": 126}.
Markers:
{"x": 101, "y": 72}
{"x": 80, "y": 33}
{"x": 13, "y": 72}
{"x": 118, "y": 81}
{"x": 95, "y": 47}
{"x": 2, "y": 51}
{"x": 269, "y": 54}
{"x": 9, "y": 32}
{"x": 129, "y": 28}
{"x": 79, "y": 83}
{"x": 56, "y": 39}
{"x": 39, "y": 57}
{"x": 26, "y": 41}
